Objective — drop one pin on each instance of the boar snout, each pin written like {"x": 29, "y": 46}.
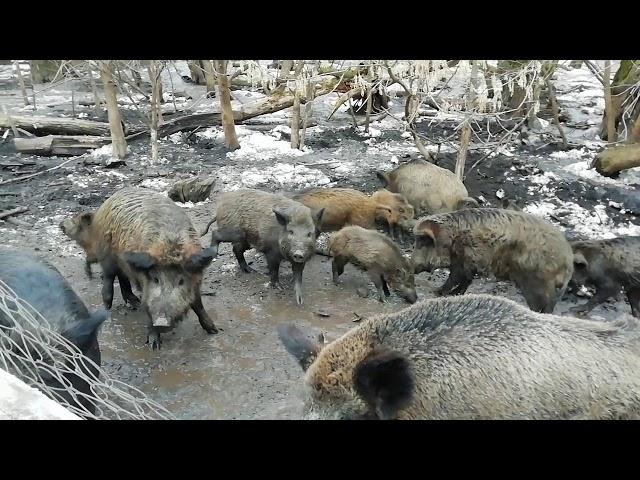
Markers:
{"x": 298, "y": 256}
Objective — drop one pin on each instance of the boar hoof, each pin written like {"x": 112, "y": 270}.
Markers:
{"x": 154, "y": 340}
{"x": 276, "y": 285}
{"x": 132, "y": 300}
{"x": 210, "y": 329}
{"x": 247, "y": 269}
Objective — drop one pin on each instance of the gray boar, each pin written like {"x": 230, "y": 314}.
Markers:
{"x": 279, "y": 227}
{"x": 144, "y": 236}
{"x": 470, "y": 357}
{"x": 45, "y": 289}
{"x": 376, "y": 254}
{"x": 428, "y": 188}
{"x": 515, "y": 246}
{"x": 610, "y": 265}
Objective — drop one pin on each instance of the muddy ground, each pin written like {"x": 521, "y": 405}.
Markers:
{"x": 243, "y": 372}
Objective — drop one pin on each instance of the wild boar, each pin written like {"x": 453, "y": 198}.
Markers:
{"x": 610, "y": 265}
{"x": 474, "y": 357}
{"x": 281, "y": 228}
{"x": 511, "y": 245}
{"x": 146, "y": 237}
{"x": 377, "y": 255}
{"x": 428, "y": 188}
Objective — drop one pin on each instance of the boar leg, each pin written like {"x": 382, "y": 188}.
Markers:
{"x": 458, "y": 280}
{"x": 297, "y": 280}
{"x": 125, "y": 289}
{"x": 337, "y": 268}
{"x": 203, "y": 316}
{"x": 378, "y": 281}
{"x": 239, "y": 240}
{"x": 385, "y": 287}
{"x": 633, "y": 295}
{"x": 153, "y": 338}
{"x": 273, "y": 264}
{"x": 109, "y": 271}
{"x": 87, "y": 268}
{"x": 238, "y": 250}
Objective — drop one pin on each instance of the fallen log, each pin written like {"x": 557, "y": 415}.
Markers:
{"x": 62, "y": 145}
{"x": 273, "y": 103}
{"x": 31, "y": 175}
{"x": 51, "y": 125}
{"x": 611, "y": 161}
{"x": 14, "y": 211}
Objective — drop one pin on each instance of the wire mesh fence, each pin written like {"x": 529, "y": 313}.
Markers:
{"x": 42, "y": 358}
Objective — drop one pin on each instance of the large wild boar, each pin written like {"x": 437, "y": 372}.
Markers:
{"x": 609, "y": 265}
{"x": 281, "y": 228}
{"x": 376, "y": 254}
{"x": 41, "y": 285}
{"x": 345, "y": 206}
{"x": 146, "y": 237}
{"x": 429, "y": 188}
{"x": 470, "y": 357}
{"x": 511, "y": 245}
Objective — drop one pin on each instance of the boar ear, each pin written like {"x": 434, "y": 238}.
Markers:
{"x": 282, "y": 216}
{"x": 383, "y": 379}
{"x": 579, "y": 262}
{"x": 86, "y": 218}
{"x": 383, "y": 178}
{"x": 300, "y": 345}
{"x": 199, "y": 261}
{"x": 467, "y": 202}
{"x": 139, "y": 260}
{"x": 427, "y": 232}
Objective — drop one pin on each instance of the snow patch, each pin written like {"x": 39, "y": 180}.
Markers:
{"x": 281, "y": 175}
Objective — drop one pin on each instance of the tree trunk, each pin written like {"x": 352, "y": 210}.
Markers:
{"x": 119, "y": 144}
{"x": 285, "y": 70}
{"x": 210, "y": 77}
{"x": 307, "y": 112}
{"x": 23, "y": 87}
{"x": 634, "y": 137}
{"x": 295, "y": 121}
{"x": 61, "y": 145}
{"x": 612, "y": 160}
{"x": 556, "y": 110}
{"x": 608, "y": 104}
{"x": 514, "y": 101}
{"x": 94, "y": 90}
{"x": 228, "y": 125}
{"x": 156, "y": 114}
{"x": 368, "y": 112}
{"x": 52, "y": 125}
{"x": 43, "y": 71}
{"x": 465, "y": 135}
{"x": 465, "y": 138}
{"x": 627, "y": 75}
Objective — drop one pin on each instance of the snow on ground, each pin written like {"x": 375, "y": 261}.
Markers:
{"x": 280, "y": 175}
{"x": 263, "y": 146}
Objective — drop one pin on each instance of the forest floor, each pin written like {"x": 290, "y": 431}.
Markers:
{"x": 243, "y": 372}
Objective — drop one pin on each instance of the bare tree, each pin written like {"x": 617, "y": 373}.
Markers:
{"x": 155, "y": 71}
{"x": 610, "y": 114}
{"x": 465, "y": 135}
{"x": 228, "y": 125}
{"x": 23, "y": 88}
{"x": 295, "y": 111}
{"x": 210, "y": 77}
{"x": 119, "y": 144}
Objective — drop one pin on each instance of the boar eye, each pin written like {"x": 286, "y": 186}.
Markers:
{"x": 290, "y": 232}
{"x": 156, "y": 280}
{"x": 401, "y": 210}
{"x": 309, "y": 234}
{"x": 181, "y": 281}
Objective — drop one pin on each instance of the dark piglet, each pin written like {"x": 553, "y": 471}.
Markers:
{"x": 610, "y": 265}
{"x": 45, "y": 289}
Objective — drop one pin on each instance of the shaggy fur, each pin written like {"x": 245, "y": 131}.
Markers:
{"x": 474, "y": 357}
{"x": 377, "y": 255}
{"x": 511, "y": 245}
{"x": 429, "y": 188}
{"x": 79, "y": 228}
{"x": 610, "y": 265}
{"x": 344, "y": 206}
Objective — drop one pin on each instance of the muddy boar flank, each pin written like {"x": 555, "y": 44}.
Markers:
{"x": 469, "y": 357}
{"x": 45, "y": 289}
{"x": 148, "y": 238}
{"x": 345, "y": 206}
{"x": 609, "y": 265}
{"x": 515, "y": 246}
{"x": 281, "y": 228}
{"x": 377, "y": 255}
{"x": 429, "y": 188}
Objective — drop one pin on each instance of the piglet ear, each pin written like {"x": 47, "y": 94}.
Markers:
{"x": 86, "y": 218}
{"x": 281, "y": 216}
{"x": 317, "y": 216}
{"x": 199, "y": 261}
{"x": 139, "y": 261}
{"x": 383, "y": 380}
{"x": 302, "y": 346}
{"x": 382, "y": 177}
{"x": 579, "y": 262}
